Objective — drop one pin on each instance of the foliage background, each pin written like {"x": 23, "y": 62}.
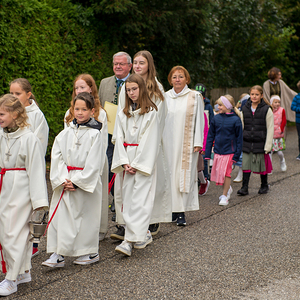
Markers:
{"x": 222, "y": 43}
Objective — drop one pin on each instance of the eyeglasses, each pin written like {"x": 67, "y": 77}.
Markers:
{"x": 121, "y": 64}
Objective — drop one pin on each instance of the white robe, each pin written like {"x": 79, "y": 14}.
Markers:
{"x": 162, "y": 210}
{"x": 138, "y": 191}
{"x": 104, "y": 170}
{"x": 184, "y": 194}
{"x": 74, "y": 230}
{"x": 38, "y": 124}
{"x": 22, "y": 192}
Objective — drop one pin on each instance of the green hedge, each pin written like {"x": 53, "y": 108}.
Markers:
{"x": 49, "y": 43}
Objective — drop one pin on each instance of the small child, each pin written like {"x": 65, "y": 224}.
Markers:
{"x": 258, "y": 133}
{"x": 296, "y": 107}
{"x": 136, "y": 149}
{"x": 21, "y": 88}
{"x": 227, "y": 132}
{"x": 23, "y": 170}
{"x": 76, "y": 159}
{"x": 279, "y": 127}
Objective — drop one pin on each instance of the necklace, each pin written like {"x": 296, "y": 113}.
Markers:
{"x": 8, "y": 154}
{"x": 78, "y": 138}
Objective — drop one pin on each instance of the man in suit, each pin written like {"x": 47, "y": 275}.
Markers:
{"x": 109, "y": 90}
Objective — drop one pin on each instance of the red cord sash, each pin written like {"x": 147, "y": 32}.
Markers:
{"x": 110, "y": 184}
{"x": 62, "y": 193}
{"x": 2, "y": 172}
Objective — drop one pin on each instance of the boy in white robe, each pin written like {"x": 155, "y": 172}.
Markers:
{"x": 77, "y": 158}
{"x": 23, "y": 189}
{"x": 136, "y": 150}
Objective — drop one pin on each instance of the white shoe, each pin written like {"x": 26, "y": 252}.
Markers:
{"x": 283, "y": 165}
{"x": 8, "y": 287}
{"x": 229, "y": 192}
{"x": 239, "y": 177}
{"x": 54, "y": 261}
{"x": 125, "y": 248}
{"x": 87, "y": 259}
{"x": 101, "y": 236}
{"x": 223, "y": 200}
{"x": 23, "y": 278}
{"x": 141, "y": 245}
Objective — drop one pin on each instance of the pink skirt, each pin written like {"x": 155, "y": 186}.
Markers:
{"x": 222, "y": 166}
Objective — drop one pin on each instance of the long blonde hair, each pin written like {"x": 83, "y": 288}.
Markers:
{"x": 231, "y": 100}
{"x": 13, "y": 105}
{"x": 261, "y": 91}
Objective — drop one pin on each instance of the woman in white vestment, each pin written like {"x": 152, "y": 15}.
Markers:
{"x": 135, "y": 154}
{"x": 143, "y": 65}
{"x": 183, "y": 139}
{"x": 86, "y": 83}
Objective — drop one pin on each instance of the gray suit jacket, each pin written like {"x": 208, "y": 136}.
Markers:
{"x": 107, "y": 89}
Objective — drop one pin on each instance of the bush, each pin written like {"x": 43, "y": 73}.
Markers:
{"x": 50, "y": 43}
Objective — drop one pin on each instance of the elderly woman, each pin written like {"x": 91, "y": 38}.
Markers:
{"x": 183, "y": 138}
{"x": 276, "y": 86}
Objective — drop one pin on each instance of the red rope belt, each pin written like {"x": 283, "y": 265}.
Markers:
{"x": 2, "y": 172}
{"x": 110, "y": 184}
{"x": 62, "y": 193}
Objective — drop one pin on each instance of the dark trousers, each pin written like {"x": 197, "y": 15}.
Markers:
{"x": 109, "y": 153}
{"x": 205, "y": 171}
{"x": 298, "y": 130}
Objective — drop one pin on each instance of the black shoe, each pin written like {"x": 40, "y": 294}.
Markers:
{"x": 264, "y": 190}
{"x": 112, "y": 207}
{"x": 174, "y": 217}
{"x": 119, "y": 235}
{"x": 154, "y": 228}
{"x": 181, "y": 219}
{"x": 243, "y": 191}
{"x": 113, "y": 218}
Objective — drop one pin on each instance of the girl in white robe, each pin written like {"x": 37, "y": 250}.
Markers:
{"x": 23, "y": 189}
{"x": 21, "y": 88}
{"x": 143, "y": 65}
{"x": 76, "y": 160}
{"x": 86, "y": 83}
{"x": 136, "y": 150}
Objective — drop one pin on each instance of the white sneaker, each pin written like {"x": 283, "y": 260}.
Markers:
{"x": 283, "y": 165}
{"x": 101, "y": 236}
{"x": 86, "y": 259}
{"x": 8, "y": 287}
{"x": 239, "y": 177}
{"x": 141, "y": 245}
{"x": 229, "y": 192}
{"x": 125, "y": 248}
{"x": 55, "y": 261}
{"x": 23, "y": 278}
{"x": 223, "y": 200}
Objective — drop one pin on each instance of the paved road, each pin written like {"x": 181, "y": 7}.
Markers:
{"x": 247, "y": 250}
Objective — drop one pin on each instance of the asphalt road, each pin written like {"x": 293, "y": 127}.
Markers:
{"x": 249, "y": 249}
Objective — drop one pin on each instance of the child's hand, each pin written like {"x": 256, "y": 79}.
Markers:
{"x": 68, "y": 186}
{"x": 202, "y": 152}
{"x": 129, "y": 169}
{"x": 197, "y": 149}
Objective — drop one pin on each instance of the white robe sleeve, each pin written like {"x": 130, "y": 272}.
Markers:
{"x": 121, "y": 105}
{"x": 147, "y": 150}
{"x": 199, "y": 122}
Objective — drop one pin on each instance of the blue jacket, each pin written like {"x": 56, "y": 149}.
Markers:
{"x": 207, "y": 106}
{"x": 296, "y": 107}
{"x": 227, "y": 132}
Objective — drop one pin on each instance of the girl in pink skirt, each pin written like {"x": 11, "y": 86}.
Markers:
{"x": 227, "y": 132}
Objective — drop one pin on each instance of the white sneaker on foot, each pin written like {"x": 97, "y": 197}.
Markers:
{"x": 141, "y": 245}
{"x": 101, "y": 236}
{"x": 125, "y": 248}
{"x": 283, "y": 165}
{"x": 223, "y": 200}
{"x": 8, "y": 287}
{"x": 23, "y": 278}
{"x": 86, "y": 259}
{"x": 54, "y": 261}
{"x": 239, "y": 177}
{"x": 229, "y": 192}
